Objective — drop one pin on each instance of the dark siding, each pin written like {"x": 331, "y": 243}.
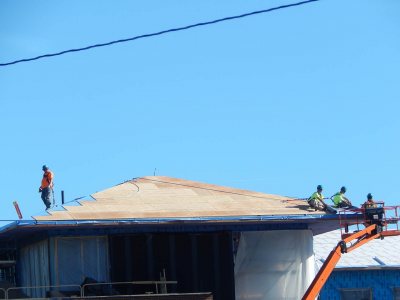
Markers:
{"x": 200, "y": 262}
{"x": 380, "y": 281}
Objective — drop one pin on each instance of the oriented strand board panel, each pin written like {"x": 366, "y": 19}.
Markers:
{"x": 166, "y": 197}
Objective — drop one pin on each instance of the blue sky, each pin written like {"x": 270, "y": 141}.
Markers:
{"x": 276, "y": 103}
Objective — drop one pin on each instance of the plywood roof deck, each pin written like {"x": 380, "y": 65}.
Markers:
{"x": 166, "y": 197}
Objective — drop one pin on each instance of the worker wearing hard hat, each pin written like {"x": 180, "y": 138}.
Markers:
{"x": 374, "y": 213}
{"x": 370, "y": 203}
{"x": 46, "y": 187}
{"x": 340, "y": 200}
{"x": 316, "y": 200}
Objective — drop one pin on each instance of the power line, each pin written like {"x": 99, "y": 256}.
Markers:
{"x": 157, "y": 33}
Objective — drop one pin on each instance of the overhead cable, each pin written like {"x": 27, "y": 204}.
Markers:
{"x": 157, "y": 33}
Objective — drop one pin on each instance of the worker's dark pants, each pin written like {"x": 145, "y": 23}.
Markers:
{"x": 46, "y": 197}
{"x": 343, "y": 204}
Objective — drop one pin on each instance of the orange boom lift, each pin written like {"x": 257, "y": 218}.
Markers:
{"x": 376, "y": 224}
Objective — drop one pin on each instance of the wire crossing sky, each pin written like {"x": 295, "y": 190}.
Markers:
{"x": 157, "y": 33}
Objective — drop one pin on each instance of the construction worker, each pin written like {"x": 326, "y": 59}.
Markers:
{"x": 46, "y": 188}
{"x": 370, "y": 203}
{"x": 373, "y": 213}
{"x": 316, "y": 200}
{"x": 340, "y": 200}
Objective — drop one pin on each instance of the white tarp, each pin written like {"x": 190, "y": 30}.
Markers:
{"x": 274, "y": 264}
{"x": 68, "y": 260}
{"x": 34, "y": 268}
{"x": 75, "y": 258}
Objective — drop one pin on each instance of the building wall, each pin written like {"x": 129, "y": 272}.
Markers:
{"x": 199, "y": 262}
{"x": 381, "y": 282}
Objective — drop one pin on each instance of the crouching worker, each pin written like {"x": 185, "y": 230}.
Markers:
{"x": 316, "y": 200}
{"x": 340, "y": 200}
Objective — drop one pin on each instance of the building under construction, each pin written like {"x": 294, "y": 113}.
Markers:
{"x": 167, "y": 237}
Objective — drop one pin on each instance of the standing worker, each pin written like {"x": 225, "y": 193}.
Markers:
{"x": 340, "y": 200}
{"x": 316, "y": 200}
{"x": 46, "y": 188}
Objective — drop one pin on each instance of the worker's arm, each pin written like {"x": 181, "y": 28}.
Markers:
{"x": 321, "y": 198}
{"x": 347, "y": 200}
{"x": 313, "y": 196}
{"x": 50, "y": 179}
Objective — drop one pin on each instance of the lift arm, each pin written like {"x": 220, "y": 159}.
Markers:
{"x": 357, "y": 239}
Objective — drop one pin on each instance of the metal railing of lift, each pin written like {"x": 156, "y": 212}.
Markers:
{"x": 352, "y": 217}
{"x": 49, "y": 287}
{"x": 155, "y": 283}
{"x": 391, "y": 217}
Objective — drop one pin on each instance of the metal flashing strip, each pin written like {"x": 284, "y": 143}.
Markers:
{"x": 182, "y": 220}
{"x": 9, "y": 226}
{"x": 168, "y": 220}
{"x": 238, "y": 223}
{"x": 16, "y": 223}
{"x": 366, "y": 268}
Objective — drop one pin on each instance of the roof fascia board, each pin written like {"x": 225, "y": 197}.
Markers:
{"x": 191, "y": 219}
{"x": 237, "y": 223}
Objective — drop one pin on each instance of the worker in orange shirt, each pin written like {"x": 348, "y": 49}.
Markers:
{"x": 370, "y": 203}
{"x": 46, "y": 188}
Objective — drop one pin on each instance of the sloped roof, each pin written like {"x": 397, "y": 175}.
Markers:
{"x": 376, "y": 253}
{"x": 166, "y": 197}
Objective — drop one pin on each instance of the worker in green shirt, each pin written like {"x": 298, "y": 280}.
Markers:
{"x": 316, "y": 200}
{"x": 340, "y": 200}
